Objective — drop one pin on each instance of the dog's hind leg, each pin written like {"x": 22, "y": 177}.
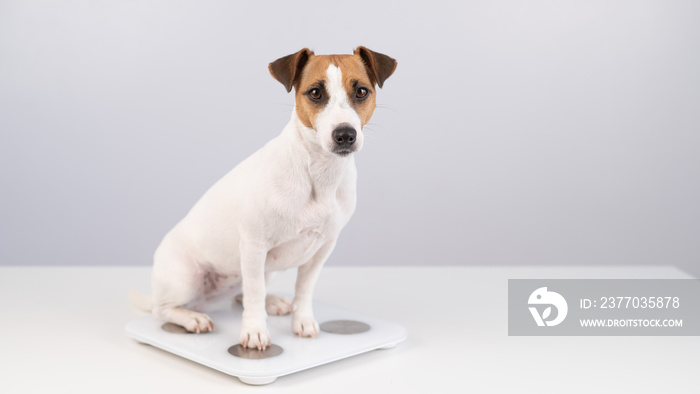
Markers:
{"x": 274, "y": 304}
{"x": 170, "y": 304}
{"x": 277, "y": 305}
{"x": 192, "y": 321}
{"x": 178, "y": 284}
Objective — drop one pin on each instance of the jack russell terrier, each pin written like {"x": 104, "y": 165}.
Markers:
{"x": 283, "y": 207}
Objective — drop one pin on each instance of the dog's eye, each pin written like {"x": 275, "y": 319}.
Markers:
{"x": 315, "y": 94}
{"x": 361, "y": 93}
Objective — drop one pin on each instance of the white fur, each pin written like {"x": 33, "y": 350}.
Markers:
{"x": 337, "y": 111}
{"x": 282, "y": 207}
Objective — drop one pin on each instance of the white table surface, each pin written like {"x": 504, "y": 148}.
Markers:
{"x": 62, "y": 330}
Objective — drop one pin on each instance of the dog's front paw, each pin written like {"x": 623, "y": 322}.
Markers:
{"x": 304, "y": 326}
{"x": 254, "y": 335}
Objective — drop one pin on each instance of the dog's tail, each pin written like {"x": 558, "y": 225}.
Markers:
{"x": 140, "y": 301}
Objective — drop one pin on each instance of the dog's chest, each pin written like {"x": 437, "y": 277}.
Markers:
{"x": 319, "y": 219}
{"x": 317, "y": 224}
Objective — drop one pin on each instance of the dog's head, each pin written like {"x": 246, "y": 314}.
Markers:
{"x": 335, "y": 94}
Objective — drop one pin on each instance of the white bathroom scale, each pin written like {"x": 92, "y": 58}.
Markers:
{"x": 343, "y": 334}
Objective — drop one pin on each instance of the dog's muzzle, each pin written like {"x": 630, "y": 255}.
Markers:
{"x": 344, "y": 137}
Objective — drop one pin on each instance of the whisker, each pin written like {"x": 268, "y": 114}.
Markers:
{"x": 377, "y": 125}
{"x": 384, "y": 106}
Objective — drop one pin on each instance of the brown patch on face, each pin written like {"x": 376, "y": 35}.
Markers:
{"x": 355, "y": 76}
{"x": 312, "y": 77}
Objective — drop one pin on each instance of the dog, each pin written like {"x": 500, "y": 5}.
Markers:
{"x": 283, "y": 207}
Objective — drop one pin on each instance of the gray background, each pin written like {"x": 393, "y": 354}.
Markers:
{"x": 512, "y": 132}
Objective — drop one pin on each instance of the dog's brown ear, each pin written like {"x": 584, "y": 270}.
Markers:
{"x": 287, "y": 69}
{"x": 379, "y": 66}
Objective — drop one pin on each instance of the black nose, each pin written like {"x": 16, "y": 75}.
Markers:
{"x": 344, "y": 136}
